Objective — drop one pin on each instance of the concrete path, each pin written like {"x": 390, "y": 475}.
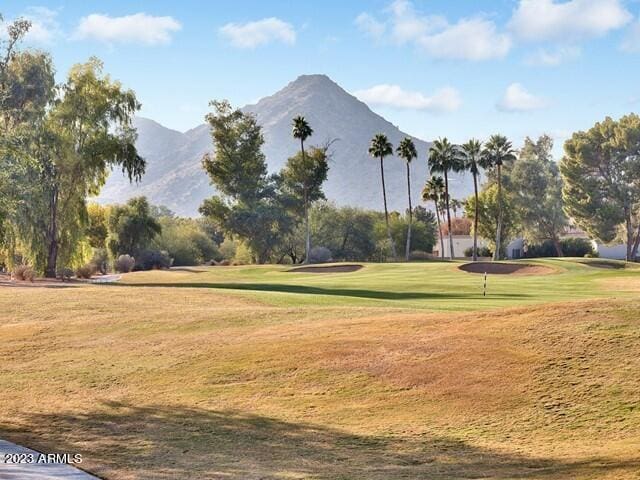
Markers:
{"x": 35, "y": 471}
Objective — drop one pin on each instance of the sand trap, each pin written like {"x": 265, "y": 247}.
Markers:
{"x": 326, "y": 269}
{"x": 604, "y": 264}
{"x": 506, "y": 268}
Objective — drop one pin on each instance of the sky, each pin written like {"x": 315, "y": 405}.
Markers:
{"x": 458, "y": 69}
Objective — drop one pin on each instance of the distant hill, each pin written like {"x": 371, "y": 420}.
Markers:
{"x": 175, "y": 178}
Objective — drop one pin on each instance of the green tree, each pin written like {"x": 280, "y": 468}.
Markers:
{"x": 381, "y": 147}
{"x": 132, "y": 227}
{"x": 496, "y": 152}
{"x": 537, "y": 189}
{"x": 433, "y": 191}
{"x": 489, "y": 214}
{"x": 302, "y": 177}
{"x": 248, "y": 204}
{"x": 407, "y": 151}
{"x": 601, "y": 173}
{"x": 471, "y": 163}
{"x": 97, "y": 228}
{"x": 185, "y": 240}
{"x": 444, "y": 157}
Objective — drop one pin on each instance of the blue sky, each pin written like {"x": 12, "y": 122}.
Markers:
{"x": 434, "y": 68}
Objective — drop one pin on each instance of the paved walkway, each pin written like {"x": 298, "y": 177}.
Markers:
{"x": 36, "y": 471}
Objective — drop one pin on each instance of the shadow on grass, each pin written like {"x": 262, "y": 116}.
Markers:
{"x": 343, "y": 292}
{"x": 119, "y": 440}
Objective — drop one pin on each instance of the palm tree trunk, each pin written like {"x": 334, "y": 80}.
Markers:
{"x": 446, "y": 199}
{"x": 408, "y": 246}
{"x": 307, "y": 228}
{"x": 435, "y": 202}
{"x": 496, "y": 254}
{"x": 386, "y": 211}
{"x": 475, "y": 218}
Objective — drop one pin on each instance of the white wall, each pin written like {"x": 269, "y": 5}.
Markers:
{"x": 612, "y": 252}
{"x": 460, "y": 244}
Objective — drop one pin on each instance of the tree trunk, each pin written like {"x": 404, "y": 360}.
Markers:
{"x": 52, "y": 235}
{"x": 408, "y": 246}
{"x": 629, "y": 227}
{"x": 435, "y": 202}
{"x": 475, "y": 219}
{"x": 636, "y": 244}
{"x": 307, "y": 228}
{"x": 558, "y": 246}
{"x": 386, "y": 212}
{"x": 446, "y": 199}
{"x": 496, "y": 254}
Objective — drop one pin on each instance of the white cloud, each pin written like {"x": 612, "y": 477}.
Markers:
{"x": 540, "y": 20}
{"x": 446, "y": 99}
{"x": 44, "y": 25}
{"x": 551, "y": 58}
{"x": 474, "y": 38}
{"x": 137, "y": 28}
{"x": 517, "y": 99}
{"x": 369, "y": 25}
{"x": 631, "y": 42}
{"x": 260, "y": 32}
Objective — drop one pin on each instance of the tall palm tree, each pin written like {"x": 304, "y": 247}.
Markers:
{"x": 302, "y": 131}
{"x": 495, "y": 153}
{"x": 434, "y": 190}
{"x": 407, "y": 150}
{"x": 471, "y": 157}
{"x": 444, "y": 157}
{"x": 381, "y": 147}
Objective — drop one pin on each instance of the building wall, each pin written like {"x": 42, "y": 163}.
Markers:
{"x": 612, "y": 252}
{"x": 460, "y": 244}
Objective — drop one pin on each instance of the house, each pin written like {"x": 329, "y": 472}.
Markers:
{"x": 460, "y": 244}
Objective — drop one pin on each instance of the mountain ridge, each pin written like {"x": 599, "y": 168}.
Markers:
{"x": 175, "y": 178}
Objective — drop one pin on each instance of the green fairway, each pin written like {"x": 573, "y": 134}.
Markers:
{"x": 429, "y": 285}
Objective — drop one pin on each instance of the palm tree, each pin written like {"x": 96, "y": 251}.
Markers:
{"x": 381, "y": 147}
{"x": 495, "y": 153}
{"x": 407, "y": 150}
{"x": 443, "y": 158}
{"x": 302, "y": 131}
{"x": 434, "y": 190}
{"x": 471, "y": 157}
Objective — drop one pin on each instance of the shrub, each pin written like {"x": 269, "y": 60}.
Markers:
{"x": 124, "y": 263}
{"x": 242, "y": 255}
{"x": 24, "y": 273}
{"x": 100, "y": 260}
{"x": 64, "y": 274}
{"x": 482, "y": 252}
{"x": 571, "y": 247}
{"x": 86, "y": 271}
{"x": 420, "y": 255}
{"x": 319, "y": 255}
{"x": 153, "y": 260}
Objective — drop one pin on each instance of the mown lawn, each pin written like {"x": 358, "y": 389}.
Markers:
{"x": 394, "y": 371}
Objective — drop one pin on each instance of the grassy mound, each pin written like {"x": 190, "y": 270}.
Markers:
{"x": 326, "y": 269}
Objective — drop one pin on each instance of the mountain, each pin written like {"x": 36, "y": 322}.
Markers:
{"x": 175, "y": 178}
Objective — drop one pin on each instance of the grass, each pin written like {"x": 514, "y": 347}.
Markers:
{"x": 394, "y": 371}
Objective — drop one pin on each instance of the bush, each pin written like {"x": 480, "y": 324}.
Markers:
{"x": 243, "y": 255}
{"x": 571, "y": 247}
{"x": 64, "y": 274}
{"x": 124, "y": 263}
{"x": 86, "y": 271}
{"x": 420, "y": 255}
{"x": 320, "y": 255}
{"x": 153, "y": 260}
{"x": 100, "y": 260}
{"x": 24, "y": 273}
{"x": 482, "y": 252}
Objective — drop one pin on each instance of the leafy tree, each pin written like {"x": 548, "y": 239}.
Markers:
{"x": 601, "y": 173}
{"x": 407, "y": 151}
{"x": 444, "y": 157}
{"x": 185, "y": 240}
{"x": 496, "y": 152}
{"x": 381, "y": 147}
{"x": 248, "y": 205}
{"x": 537, "y": 188}
{"x": 434, "y": 191}
{"x": 302, "y": 178}
{"x": 471, "y": 163}
{"x": 97, "y": 228}
{"x": 132, "y": 228}
{"x": 489, "y": 215}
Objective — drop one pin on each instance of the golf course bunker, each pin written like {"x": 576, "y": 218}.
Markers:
{"x": 327, "y": 269}
{"x": 604, "y": 264}
{"x": 506, "y": 268}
